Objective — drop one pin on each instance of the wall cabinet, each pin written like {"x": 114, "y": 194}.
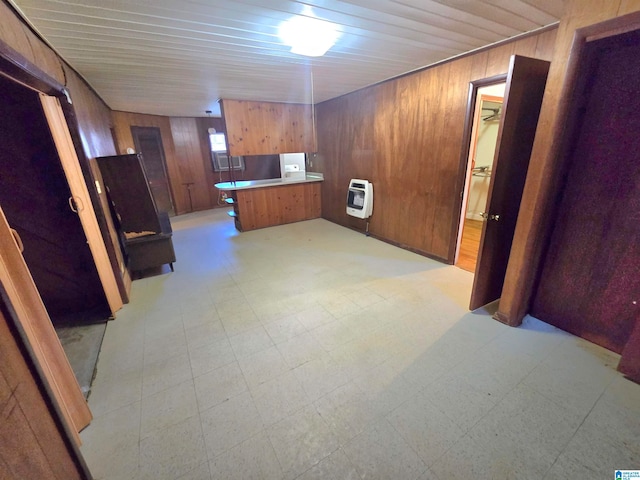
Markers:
{"x": 262, "y": 128}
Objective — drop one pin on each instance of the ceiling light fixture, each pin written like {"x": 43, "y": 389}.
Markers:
{"x": 308, "y": 35}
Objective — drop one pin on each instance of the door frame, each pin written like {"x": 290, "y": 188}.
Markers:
{"x": 471, "y": 150}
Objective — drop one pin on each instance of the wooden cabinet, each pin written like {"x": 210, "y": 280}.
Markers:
{"x": 146, "y": 235}
{"x": 276, "y": 205}
{"x": 262, "y": 128}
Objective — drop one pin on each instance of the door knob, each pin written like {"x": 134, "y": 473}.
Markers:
{"x": 486, "y": 216}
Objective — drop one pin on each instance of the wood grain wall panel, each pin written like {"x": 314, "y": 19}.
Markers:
{"x": 451, "y": 173}
{"x": 32, "y": 445}
{"x": 203, "y": 125}
{"x": 545, "y": 171}
{"x": 349, "y": 152}
{"x": 546, "y": 45}
{"x": 92, "y": 115}
{"x": 189, "y": 156}
{"x": 19, "y": 37}
{"x": 187, "y": 153}
{"x": 406, "y": 136}
{"x": 93, "y": 119}
{"x": 528, "y": 44}
{"x": 499, "y": 56}
{"x": 257, "y": 167}
{"x": 122, "y": 123}
{"x": 258, "y": 128}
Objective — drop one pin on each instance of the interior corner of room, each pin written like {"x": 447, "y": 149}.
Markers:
{"x": 516, "y": 162}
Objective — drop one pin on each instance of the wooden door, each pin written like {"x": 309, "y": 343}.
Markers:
{"x": 34, "y": 196}
{"x": 523, "y": 98}
{"x": 148, "y": 141}
{"x": 590, "y": 280}
{"x": 25, "y": 300}
{"x": 28, "y": 417}
{"x": 80, "y": 199}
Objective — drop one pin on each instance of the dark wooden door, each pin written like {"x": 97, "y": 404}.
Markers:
{"x": 523, "y": 98}
{"x": 590, "y": 281}
{"x": 148, "y": 141}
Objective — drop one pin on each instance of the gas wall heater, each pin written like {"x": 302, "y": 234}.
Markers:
{"x": 360, "y": 198}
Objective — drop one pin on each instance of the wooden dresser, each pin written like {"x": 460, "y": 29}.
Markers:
{"x": 145, "y": 233}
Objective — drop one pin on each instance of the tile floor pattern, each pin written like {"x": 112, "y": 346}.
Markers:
{"x": 309, "y": 351}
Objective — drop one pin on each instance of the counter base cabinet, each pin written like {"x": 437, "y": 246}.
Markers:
{"x": 270, "y": 206}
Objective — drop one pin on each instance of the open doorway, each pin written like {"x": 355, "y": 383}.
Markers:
{"x": 484, "y": 136}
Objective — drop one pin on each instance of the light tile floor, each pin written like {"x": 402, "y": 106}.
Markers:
{"x": 310, "y": 351}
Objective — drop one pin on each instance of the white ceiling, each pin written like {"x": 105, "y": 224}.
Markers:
{"x": 177, "y": 57}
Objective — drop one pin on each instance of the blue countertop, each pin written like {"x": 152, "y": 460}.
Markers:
{"x": 270, "y": 182}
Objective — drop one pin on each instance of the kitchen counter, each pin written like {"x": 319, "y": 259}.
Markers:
{"x": 266, "y": 203}
{"x": 270, "y": 182}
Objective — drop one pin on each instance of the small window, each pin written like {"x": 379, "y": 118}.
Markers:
{"x": 217, "y": 142}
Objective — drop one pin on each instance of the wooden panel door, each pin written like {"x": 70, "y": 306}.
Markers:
{"x": 32, "y": 443}
{"x": 591, "y": 275}
{"x": 523, "y": 98}
{"x": 148, "y": 141}
{"x": 81, "y": 198}
{"x": 34, "y": 195}
{"x": 21, "y": 292}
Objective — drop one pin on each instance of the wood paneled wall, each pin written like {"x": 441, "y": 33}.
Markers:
{"x": 259, "y": 128}
{"x": 190, "y": 159}
{"x": 92, "y": 116}
{"x": 406, "y": 136}
{"x": 93, "y": 119}
{"x": 20, "y": 37}
{"x": 257, "y": 167}
{"x": 187, "y": 153}
{"x": 545, "y": 171}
